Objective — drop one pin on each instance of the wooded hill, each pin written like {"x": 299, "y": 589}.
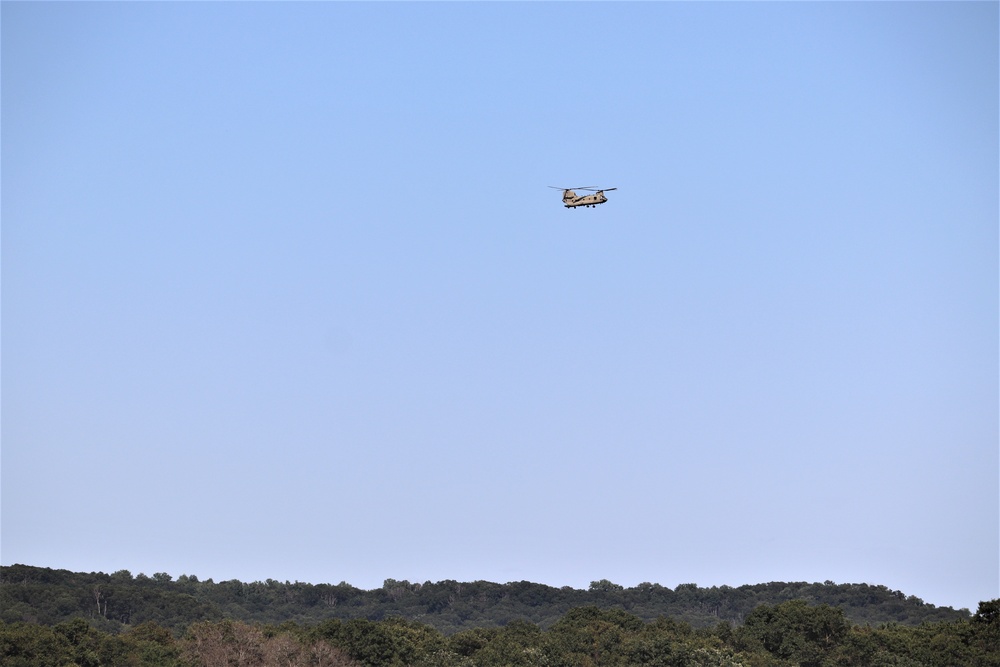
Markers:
{"x": 115, "y": 602}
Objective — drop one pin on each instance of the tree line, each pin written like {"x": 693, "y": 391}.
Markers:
{"x": 117, "y": 602}
{"x": 781, "y": 635}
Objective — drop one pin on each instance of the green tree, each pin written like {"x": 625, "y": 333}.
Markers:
{"x": 591, "y": 637}
{"x": 796, "y": 631}
{"x": 518, "y": 644}
{"x": 390, "y": 643}
{"x": 30, "y": 645}
{"x": 986, "y": 629}
{"x": 469, "y": 643}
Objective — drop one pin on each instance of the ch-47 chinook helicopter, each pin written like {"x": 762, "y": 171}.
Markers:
{"x": 571, "y": 200}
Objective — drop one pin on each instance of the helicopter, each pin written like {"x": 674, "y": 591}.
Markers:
{"x": 571, "y": 200}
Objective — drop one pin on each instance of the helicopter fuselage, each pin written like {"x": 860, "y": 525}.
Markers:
{"x": 571, "y": 200}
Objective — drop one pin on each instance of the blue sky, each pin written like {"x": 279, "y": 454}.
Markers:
{"x": 285, "y": 294}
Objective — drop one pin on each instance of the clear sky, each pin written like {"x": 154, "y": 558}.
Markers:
{"x": 285, "y": 294}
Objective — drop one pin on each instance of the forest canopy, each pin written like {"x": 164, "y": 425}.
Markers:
{"x": 119, "y": 600}
{"x": 56, "y": 617}
{"x": 783, "y": 635}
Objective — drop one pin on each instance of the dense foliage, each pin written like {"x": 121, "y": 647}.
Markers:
{"x": 782, "y": 635}
{"x": 116, "y": 602}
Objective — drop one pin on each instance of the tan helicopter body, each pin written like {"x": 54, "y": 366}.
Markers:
{"x": 572, "y": 200}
